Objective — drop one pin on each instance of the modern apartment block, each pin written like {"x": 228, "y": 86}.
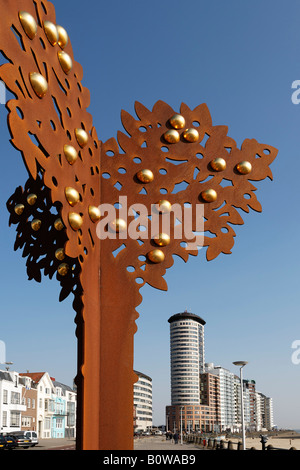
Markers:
{"x": 36, "y": 402}
{"x": 250, "y": 411}
{"x": 210, "y": 397}
{"x": 264, "y": 411}
{"x": 227, "y": 395}
{"x": 142, "y": 400}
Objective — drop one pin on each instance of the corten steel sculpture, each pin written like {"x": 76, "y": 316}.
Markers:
{"x": 72, "y": 173}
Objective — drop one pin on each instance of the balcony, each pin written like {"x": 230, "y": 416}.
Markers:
{"x": 17, "y": 407}
{"x": 59, "y": 413}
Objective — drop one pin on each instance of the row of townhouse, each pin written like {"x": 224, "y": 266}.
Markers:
{"x": 37, "y": 402}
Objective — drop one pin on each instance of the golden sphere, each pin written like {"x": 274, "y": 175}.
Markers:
{"x": 36, "y": 225}
{"x": 94, "y": 213}
{"x": 72, "y": 196}
{"x": 28, "y": 23}
{"x": 218, "y": 164}
{"x": 63, "y": 269}
{"x": 244, "y": 168}
{"x": 39, "y": 84}
{"x": 82, "y": 137}
{"x": 209, "y": 195}
{"x": 156, "y": 256}
{"x": 164, "y": 206}
{"x": 19, "y": 209}
{"x": 31, "y": 199}
{"x": 51, "y": 32}
{"x": 58, "y": 225}
{"x": 71, "y": 154}
{"x": 191, "y": 135}
{"x": 162, "y": 239}
{"x": 60, "y": 254}
{"x": 65, "y": 61}
{"x": 118, "y": 225}
{"x": 177, "y": 121}
{"x": 63, "y": 38}
{"x": 75, "y": 221}
{"x": 172, "y": 136}
{"x": 145, "y": 176}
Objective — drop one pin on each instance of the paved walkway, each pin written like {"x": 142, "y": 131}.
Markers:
{"x": 160, "y": 443}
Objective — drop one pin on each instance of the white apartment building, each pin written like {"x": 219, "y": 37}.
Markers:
{"x": 142, "y": 401}
{"x": 269, "y": 422}
{"x": 45, "y": 404}
{"x": 11, "y": 405}
{"x": 187, "y": 357}
{"x": 264, "y": 412}
{"x": 227, "y": 395}
{"x": 237, "y": 405}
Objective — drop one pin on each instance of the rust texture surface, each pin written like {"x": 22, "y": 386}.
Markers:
{"x": 164, "y": 157}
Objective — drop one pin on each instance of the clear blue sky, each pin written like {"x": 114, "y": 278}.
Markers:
{"x": 240, "y": 58}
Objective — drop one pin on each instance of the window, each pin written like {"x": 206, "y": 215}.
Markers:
{"x": 57, "y": 408}
{"x": 15, "y": 398}
{"x": 26, "y": 421}
{"x": 28, "y": 402}
{"x": 70, "y": 414}
{"x": 59, "y": 423}
{"x": 33, "y": 403}
{"x": 4, "y": 419}
{"x": 47, "y": 423}
{"x": 14, "y": 419}
{"x": 5, "y": 396}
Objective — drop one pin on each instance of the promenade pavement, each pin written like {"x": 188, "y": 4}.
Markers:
{"x": 143, "y": 443}
{"x": 160, "y": 443}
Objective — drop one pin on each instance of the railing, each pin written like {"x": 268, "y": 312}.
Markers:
{"x": 217, "y": 444}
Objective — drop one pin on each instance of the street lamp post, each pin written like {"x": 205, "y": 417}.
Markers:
{"x": 181, "y": 424}
{"x": 242, "y": 364}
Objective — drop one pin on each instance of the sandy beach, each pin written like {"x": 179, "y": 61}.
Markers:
{"x": 282, "y": 440}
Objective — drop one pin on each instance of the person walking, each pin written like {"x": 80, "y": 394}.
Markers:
{"x": 176, "y": 438}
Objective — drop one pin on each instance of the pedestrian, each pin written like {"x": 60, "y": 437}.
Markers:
{"x": 176, "y": 438}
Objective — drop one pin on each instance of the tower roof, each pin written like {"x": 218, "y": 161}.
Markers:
{"x": 186, "y": 315}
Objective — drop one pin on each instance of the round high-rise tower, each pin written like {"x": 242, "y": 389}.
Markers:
{"x": 187, "y": 357}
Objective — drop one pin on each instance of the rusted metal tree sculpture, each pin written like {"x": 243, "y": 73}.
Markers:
{"x": 62, "y": 214}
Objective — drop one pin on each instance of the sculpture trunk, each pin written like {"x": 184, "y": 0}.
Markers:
{"x": 105, "y": 357}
